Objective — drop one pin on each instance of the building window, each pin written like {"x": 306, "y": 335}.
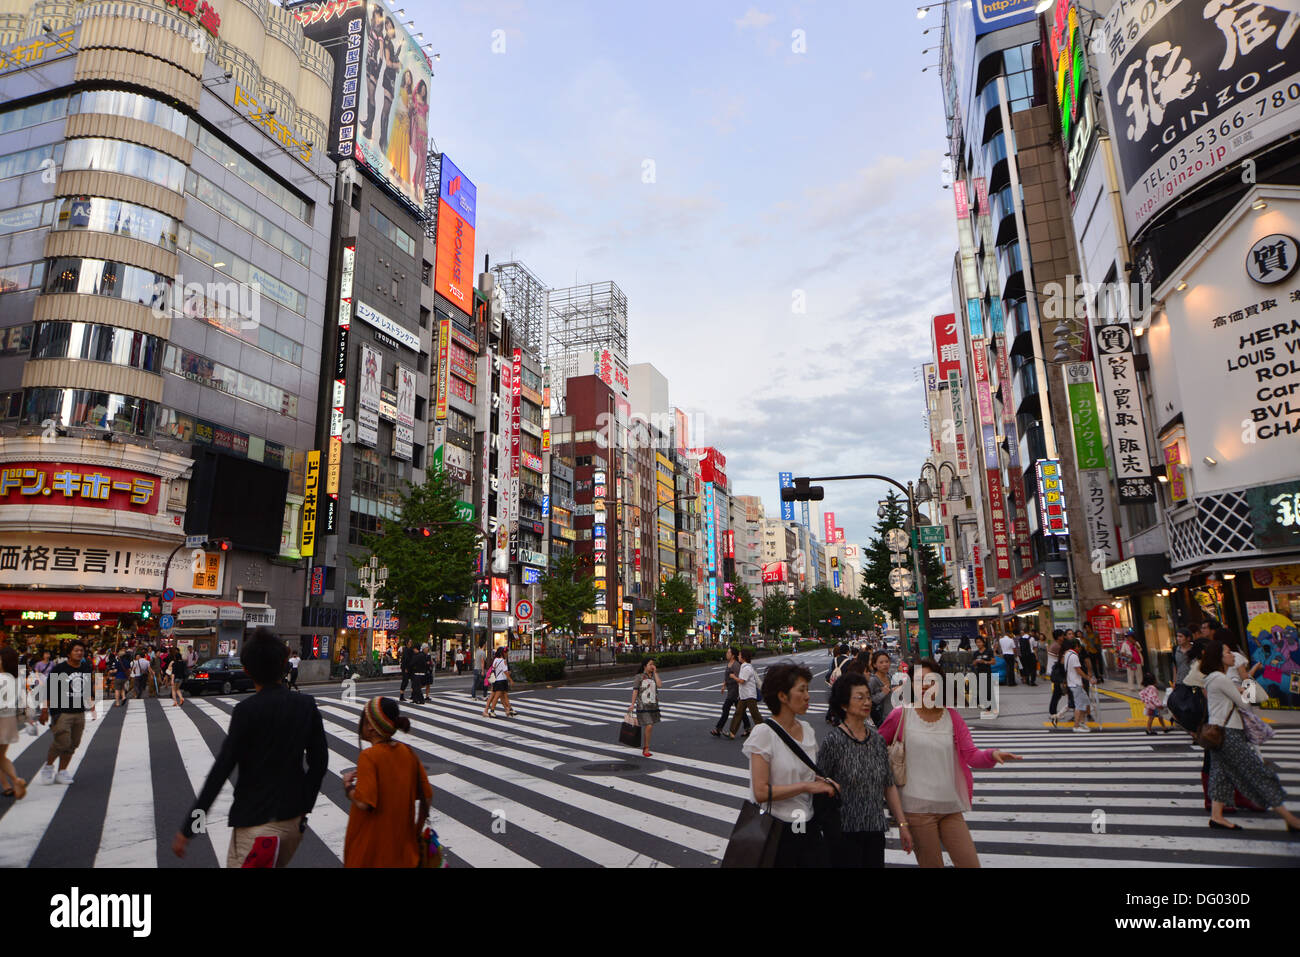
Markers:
{"x": 81, "y": 340}
{"x": 252, "y": 174}
{"x": 129, "y": 159}
{"x": 99, "y": 277}
{"x": 101, "y": 215}
{"x": 83, "y": 408}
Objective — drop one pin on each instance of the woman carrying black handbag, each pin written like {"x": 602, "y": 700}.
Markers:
{"x": 780, "y": 753}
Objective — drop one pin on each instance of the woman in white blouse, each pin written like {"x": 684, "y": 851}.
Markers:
{"x": 1235, "y": 764}
{"x": 777, "y": 774}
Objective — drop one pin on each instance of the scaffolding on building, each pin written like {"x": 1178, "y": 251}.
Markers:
{"x": 584, "y": 319}
{"x": 524, "y": 299}
{"x": 432, "y": 184}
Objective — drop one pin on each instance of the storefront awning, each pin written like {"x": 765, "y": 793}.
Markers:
{"x": 1233, "y": 565}
{"x": 33, "y": 599}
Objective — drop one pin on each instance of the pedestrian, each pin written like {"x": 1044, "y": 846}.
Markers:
{"x": 778, "y": 776}
{"x": 276, "y": 741}
{"x": 855, "y": 758}
{"x": 730, "y": 689}
{"x": 1182, "y": 658}
{"x": 13, "y": 786}
{"x": 295, "y": 660}
{"x": 389, "y": 793}
{"x": 936, "y": 740}
{"x": 645, "y": 699}
{"x": 1076, "y": 681}
{"x": 480, "y": 665}
{"x": 841, "y": 659}
{"x": 418, "y": 668}
{"x": 1056, "y": 673}
{"x": 155, "y": 672}
{"x": 747, "y": 705}
{"x": 500, "y": 682}
{"x": 1130, "y": 659}
{"x": 180, "y": 672}
{"x": 880, "y": 687}
{"x": 1235, "y": 764}
{"x": 1153, "y": 702}
{"x": 191, "y": 658}
{"x": 1028, "y": 660}
{"x": 140, "y": 672}
{"x": 120, "y": 672}
{"x": 404, "y": 660}
{"x": 69, "y": 694}
{"x": 1007, "y": 648}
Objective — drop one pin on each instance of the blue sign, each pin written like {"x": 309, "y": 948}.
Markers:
{"x": 806, "y": 519}
{"x": 787, "y": 508}
{"x": 167, "y": 622}
{"x": 532, "y": 575}
{"x": 993, "y": 15}
{"x": 169, "y": 594}
{"x": 598, "y": 531}
{"x": 995, "y": 317}
{"x": 836, "y": 576}
{"x": 546, "y": 506}
{"x": 975, "y": 317}
{"x": 457, "y": 191}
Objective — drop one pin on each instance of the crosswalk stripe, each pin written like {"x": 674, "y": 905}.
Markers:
{"x": 197, "y": 759}
{"x": 26, "y": 820}
{"x": 130, "y": 837}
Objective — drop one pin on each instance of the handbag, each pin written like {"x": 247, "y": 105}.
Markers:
{"x": 1210, "y": 736}
{"x": 754, "y": 837}
{"x": 1257, "y": 732}
{"x": 629, "y": 731}
{"x": 898, "y": 753}
{"x": 826, "y": 807}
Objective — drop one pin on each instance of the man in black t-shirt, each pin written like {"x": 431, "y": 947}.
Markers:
{"x": 419, "y": 674}
{"x": 404, "y": 659}
{"x": 69, "y": 694}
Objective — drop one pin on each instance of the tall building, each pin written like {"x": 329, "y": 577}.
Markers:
{"x": 163, "y": 301}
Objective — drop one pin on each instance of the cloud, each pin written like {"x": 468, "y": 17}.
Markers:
{"x": 754, "y": 19}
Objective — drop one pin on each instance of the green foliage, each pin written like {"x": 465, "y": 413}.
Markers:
{"x": 814, "y": 611}
{"x": 775, "y": 613}
{"x": 568, "y": 593}
{"x": 673, "y": 594}
{"x": 543, "y": 669}
{"x": 742, "y": 609}
{"x": 875, "y": 588}
{"x": 429, "y": 579}
{"x": 702, "y": 656}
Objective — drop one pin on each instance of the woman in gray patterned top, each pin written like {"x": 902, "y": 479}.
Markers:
{"x": 854, "y": 756}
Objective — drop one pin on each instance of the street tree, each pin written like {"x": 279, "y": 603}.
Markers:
{"x": 568, "y": 593}
{"x": 429, "y": 577}
{"x": 675, "y": 606}
{"x": 876, "y": 590}
{"x": 775, "y": 613}
{"x": 742, "y": 609}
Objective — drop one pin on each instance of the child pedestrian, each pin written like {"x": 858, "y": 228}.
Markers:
{"x": 1154, "y": 701}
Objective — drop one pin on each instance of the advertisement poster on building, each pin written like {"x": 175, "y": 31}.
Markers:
{"x": 457, "y": 208}
{"x": 405, "y": 395}
{"x": 1191, "y": 87}
{"x": 1274, "y": 642}
{"x": 1124, "y": 414}
{"x": 947, "y": 349}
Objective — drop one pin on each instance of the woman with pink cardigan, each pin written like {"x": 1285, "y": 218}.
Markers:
{"x": 939, "y": 756}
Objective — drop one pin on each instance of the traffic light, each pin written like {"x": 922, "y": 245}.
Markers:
{"x": 801, "y": 491}
{"x": 217, "y": 545}
{"x": 419, "y": 531}
{"x": 146, "y": 610}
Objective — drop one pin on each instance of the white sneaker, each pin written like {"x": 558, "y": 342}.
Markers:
{"x": 63, "y": 777}
{"x": 47, "y": 774}
{"x": 1081, "y": 728}
{"x": 31, "y": 729}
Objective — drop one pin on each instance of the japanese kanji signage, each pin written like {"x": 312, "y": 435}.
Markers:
{"x": 1051, "y": 497}
{"x": 1174, "y": 472}
{"x": 1028, "y": 590}
{"x": 95, "y": 561}
{"x": 54, "y": 483}
{"x": 1275, "y": 515}
{"x": 1001, "y": 532}
{"x": 1098, "y": 513}
{"x": 959, "y": 426}
{"x": 946, "y": 347}
{"x": 444, "y": 368}
{"x": 1089, "y": 450}
{"x": 1124, "y": 414}
{"x": 1191, "y": 86}
{"x": 311, "y": 487}
{"x": 961, "y": 198}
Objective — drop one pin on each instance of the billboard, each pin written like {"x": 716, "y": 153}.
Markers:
{"x": 786, "y": 480}
{"x": 1191, "y": 88}
{"x": 1124, "y": 414}
{"x": 946, "y": 348}
{"x": 310, "y": 490}
{"x": 993, "y": 15}
{"x": 382, "y": 80}
{"x": 453, "y": 275}
{"x": 828, "y": 527}
{"x": 372, "y": 364}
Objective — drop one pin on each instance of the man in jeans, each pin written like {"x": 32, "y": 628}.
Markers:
{"x": 277, "y": 741}
{"x": 1007, "y": 648}
{"x": 480, "y": 660}
{"x": 69, "y": 694}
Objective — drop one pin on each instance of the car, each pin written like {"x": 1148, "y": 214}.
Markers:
{"x": 218, "y": 674}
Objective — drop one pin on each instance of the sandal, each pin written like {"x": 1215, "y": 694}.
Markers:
{"x": 646, "y": 754}
{"x": 20, "y": 789}
{"x": 715, "y": 732}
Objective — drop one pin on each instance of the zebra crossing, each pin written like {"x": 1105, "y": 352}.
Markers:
{"x": 551, "y": 787}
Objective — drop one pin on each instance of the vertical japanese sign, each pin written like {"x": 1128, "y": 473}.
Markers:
{"x": 338, "y": 398}
{"x": 807, "y": 520}
{"x": 787, "y": 508}
{"x": 977, "y": 560}
{"x": 998, "y": 512}
{"x": 975, "y": 318}
{"x": 1051, "y": 497}
{"x": 1174, "y": 472}
{"x": 962, "y": 199}
{"x": 828, "y": 527}
{"x": 958, "y": 422}
{"x": 983, "y": 390}
{"x": 1099, "y": 514}
{"x": 946, "y": 347}
{"x": 1124, "y": 414}
{"x": 444, "y": 368}
{"x": 982, "y": 194}
{"x": 310, "y": 486}
{"x": 368, "y": 396}
{"x": 1089, "y": 451}
{"x": 1008, "y": 400}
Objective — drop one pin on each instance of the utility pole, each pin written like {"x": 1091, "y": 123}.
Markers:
{"x": 372, "y": 578}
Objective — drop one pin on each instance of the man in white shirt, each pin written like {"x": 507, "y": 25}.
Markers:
{"x": 1074, "y": 678}
{"x": 1007, "y": 648}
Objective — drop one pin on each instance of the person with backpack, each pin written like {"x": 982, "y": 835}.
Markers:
{"x": 1234, "y": 764}
{"x": 389, "y": 792}
{"x": 841, "y": 659}
{"x": 418, "y": 671}
{"x": 1007, "y": 648}
{"x": 120, "y": 671}
{"x": 1153, "y": 703}
{"x": 1056, "y": 673}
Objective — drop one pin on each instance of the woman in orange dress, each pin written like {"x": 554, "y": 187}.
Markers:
{"x": 389, "y": 791}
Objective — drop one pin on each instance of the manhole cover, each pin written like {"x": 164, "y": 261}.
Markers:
{"x": 601, "y": 767}
{"x": 438, "y": 767}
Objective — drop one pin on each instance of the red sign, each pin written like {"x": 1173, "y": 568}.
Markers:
{"x": 829, "y": 522}
{"x": 1028, "y": 589}
{"x": 713, "y": 465}
{"x": 979, "y": 574}
{"x": 730, "y": 543}
{"x": 774, "y": 572}
{"x": 56, "y": 483}
{"x": 983, "y": 394}
{"x": 946, "y": 349}
{"x": 960, "y": 196}
{"x": 516, "y": 390}
{"x": 500, "y": 594}
{"x": 982, "y": 194}
{"x": 998, "y": 510}
{"x": 1105, "y": 623}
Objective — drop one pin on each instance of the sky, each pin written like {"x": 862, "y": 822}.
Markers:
{"x": 770, "y": 201}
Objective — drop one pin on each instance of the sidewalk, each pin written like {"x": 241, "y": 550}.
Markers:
{"x": 1023, "y": 706}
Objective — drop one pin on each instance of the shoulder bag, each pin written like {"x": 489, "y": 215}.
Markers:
{"x": 898, "y": 752}
{"x": 1210, "y": 736}
{"x": 826, "y": 807}
{"x": 754, "y": 837}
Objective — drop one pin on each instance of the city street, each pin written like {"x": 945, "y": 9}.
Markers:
{"x": 552, "y": 787}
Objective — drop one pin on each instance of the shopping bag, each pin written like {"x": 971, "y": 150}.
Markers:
{"x": 629, "y": 732}
{"x": 754, "y": 838}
